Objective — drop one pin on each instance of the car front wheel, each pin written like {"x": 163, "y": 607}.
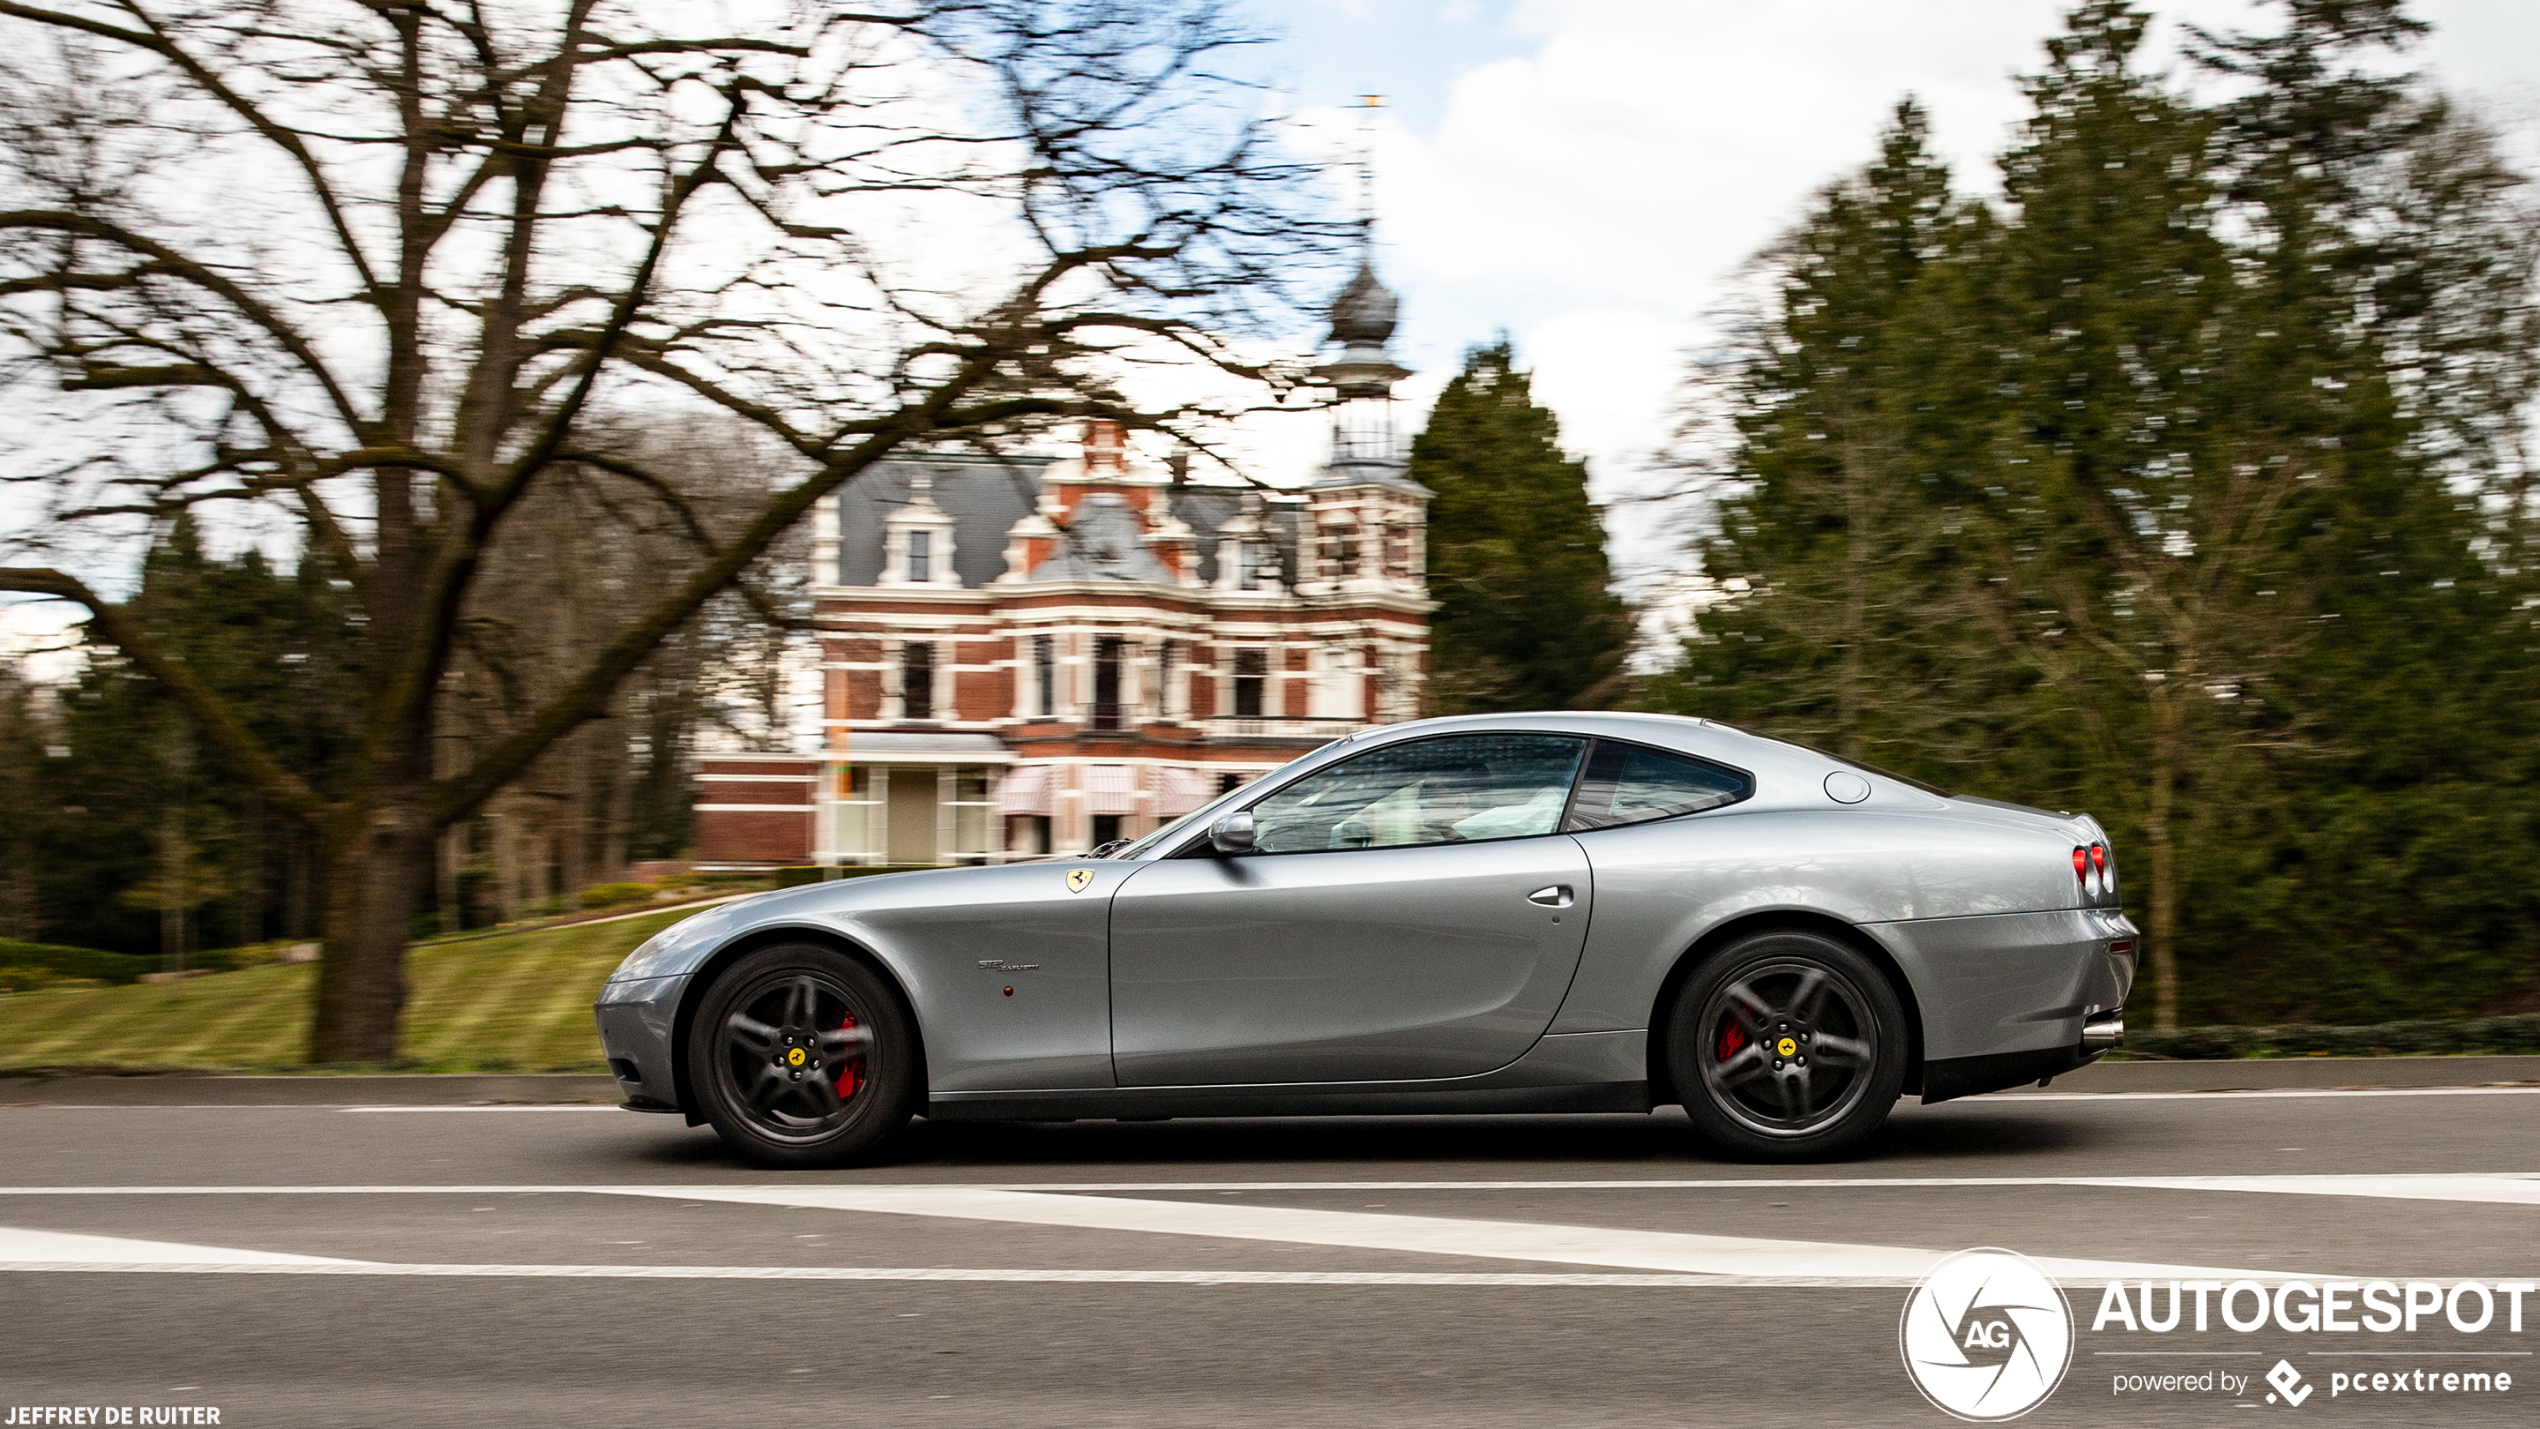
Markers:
{"x": 803, "y": 1057}
{"x": 1787, "y": 1045}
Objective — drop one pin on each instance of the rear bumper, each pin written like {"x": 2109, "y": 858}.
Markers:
{"x": 2012, "y": 997}
{"x": 638, "y": 1019}
{"x": 1972, "y": 1076}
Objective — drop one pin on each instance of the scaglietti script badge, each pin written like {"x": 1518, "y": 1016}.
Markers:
{"x": 1077, "y": 878}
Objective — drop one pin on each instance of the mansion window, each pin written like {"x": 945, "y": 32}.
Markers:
{"x": 921, "y": 553}
{"x": 1164, "y": 680}
{"x": 1045, "y": 674}
{"x": 917, "y": 680}
{"x": 1340, "y": 548}
{"x": 1252, "y": 561}
{"x": 1107, "y": 656}
{"x": 1252, "y": 671}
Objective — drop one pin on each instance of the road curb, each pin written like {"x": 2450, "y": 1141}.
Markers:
{"x": 2261, "y": 1074}
{"x": 390, "y": 1089}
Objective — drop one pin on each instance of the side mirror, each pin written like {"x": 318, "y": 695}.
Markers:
{"x": 1231, "y": 834}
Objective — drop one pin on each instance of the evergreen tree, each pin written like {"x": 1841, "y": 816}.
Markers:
{"x": 1516, "y": 553}
{"x": 2192, "y": 495}
{"x": 153, "y": 842}
{"x": 1860, "y": 418}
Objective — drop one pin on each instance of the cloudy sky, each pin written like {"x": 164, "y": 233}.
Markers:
{"x": 1587, "y": 174}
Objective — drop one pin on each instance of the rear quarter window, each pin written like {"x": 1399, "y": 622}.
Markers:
{"x": 1634, "y": 784}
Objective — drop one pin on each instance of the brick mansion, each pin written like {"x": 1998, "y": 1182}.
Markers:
{"x": 1030, "y": 656}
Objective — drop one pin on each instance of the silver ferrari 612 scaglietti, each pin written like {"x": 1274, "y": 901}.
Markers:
{"x": 1505, "y": 913}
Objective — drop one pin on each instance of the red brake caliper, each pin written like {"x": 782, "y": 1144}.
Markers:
{"x": 1731, "y": 1038}
{"x": 850, "y": 1071}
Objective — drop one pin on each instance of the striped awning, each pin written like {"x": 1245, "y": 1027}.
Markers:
{"x": 1111, "y": 789}
{"x": 1179, "y": 790}
{"x": 1025, "y": 790}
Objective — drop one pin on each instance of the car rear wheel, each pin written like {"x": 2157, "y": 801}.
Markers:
{"x": 1787, "y": 1045}
{"x": 803, "y": 1057}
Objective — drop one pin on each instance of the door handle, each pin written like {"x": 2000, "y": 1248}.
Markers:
{"x": 1557, "y": 896}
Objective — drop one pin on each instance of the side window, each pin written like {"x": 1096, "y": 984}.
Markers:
{"x": 1430, "y": 791}
{"x": 1627, "y": 784}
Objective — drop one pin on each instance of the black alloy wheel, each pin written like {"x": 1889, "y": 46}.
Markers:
{"x": 1787, "y": 1045}
{"x": 803, "y": 1057}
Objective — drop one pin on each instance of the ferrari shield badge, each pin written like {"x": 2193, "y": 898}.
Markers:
{"x": 1077, "y": 878}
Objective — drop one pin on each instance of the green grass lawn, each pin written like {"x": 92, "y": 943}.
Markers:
{"x": 516, "y": 1003}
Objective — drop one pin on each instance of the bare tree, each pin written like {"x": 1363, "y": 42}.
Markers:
{"x": 391, "y": 268}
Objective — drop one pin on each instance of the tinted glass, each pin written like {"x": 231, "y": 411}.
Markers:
{"x": 1627, "y": 784}
{"x": 1455, "y": 790}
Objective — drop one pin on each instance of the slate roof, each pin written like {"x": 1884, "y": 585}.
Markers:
{"x": 985, "y": 498}
{"x": 1104, "y": 542}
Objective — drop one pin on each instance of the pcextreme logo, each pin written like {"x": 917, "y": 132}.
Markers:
{"x": 1986, "y": 1335}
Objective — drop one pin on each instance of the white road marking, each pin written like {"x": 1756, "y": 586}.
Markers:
{"x": 2500, "y": 1187}
{"x": 942, "y": 1274}
{"x": 520, "y": 1106}
{"x": 2016, "y": 1098}
{"x": 1103, "y": 1206}
{"x": 2001, "y": 1099}
{"x": 1739, "y": 1257}
{"x": 22, "y": 1247}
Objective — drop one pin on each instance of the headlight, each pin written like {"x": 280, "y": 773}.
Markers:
{"x": 645, "y": 954}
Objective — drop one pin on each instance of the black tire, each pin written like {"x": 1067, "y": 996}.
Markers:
{"x": 1787, "y": 1046}
{"x": 781, "y": 1034}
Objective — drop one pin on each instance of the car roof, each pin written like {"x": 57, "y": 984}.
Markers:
{"x": 1709, "y": 739}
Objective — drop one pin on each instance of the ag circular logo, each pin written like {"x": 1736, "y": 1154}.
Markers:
{"x": 1986, "y": 1335}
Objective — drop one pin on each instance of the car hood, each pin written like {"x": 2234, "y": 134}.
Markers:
{"x": 681, "y": 946}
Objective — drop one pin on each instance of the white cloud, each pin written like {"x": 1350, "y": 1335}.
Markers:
{"x": 1595, "y": 191}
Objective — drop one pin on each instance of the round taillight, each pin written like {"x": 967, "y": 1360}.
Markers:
{"x": 2081, "y": 862}
{"x": 2099, "y": 857}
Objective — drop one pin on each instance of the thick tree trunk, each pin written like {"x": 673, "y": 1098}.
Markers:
{"x": 251, "y": 867}
{"x": 379, "y": 866}
{"x": 296, "y": 878}
{"x": 172, "y": 861}
{"x": 452, "y": 861}
{"x": 2168, "y": 744}
{"x": 1856, "y": 586}
{"x": 573, "y": 816}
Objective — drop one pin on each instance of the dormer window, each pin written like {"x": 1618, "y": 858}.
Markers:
{"x": 917, "y": 542}
{"x": 1252, "y": 560}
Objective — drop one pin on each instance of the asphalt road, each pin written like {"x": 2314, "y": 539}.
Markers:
{"x": 316, "y": 1265}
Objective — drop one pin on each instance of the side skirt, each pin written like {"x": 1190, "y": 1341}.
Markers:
{"x": 1300, "y": 1100}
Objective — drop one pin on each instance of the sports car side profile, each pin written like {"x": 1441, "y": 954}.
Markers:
{"x": 1503, "y": 913}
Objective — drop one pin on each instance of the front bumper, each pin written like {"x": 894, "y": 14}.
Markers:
{"x": 638, "y": 1020}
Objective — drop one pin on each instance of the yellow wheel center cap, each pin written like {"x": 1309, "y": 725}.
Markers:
{"x": 1786, "y": 1047}
{"x": 794, "y": 1058}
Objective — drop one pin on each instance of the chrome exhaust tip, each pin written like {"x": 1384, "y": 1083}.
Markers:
{"x": 2102, "y": 1032}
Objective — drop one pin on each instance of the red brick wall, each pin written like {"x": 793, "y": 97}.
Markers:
{"x": 982, "y": 694}
{"x": 761, "y": 782}
{"x": 757, "y": 836}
